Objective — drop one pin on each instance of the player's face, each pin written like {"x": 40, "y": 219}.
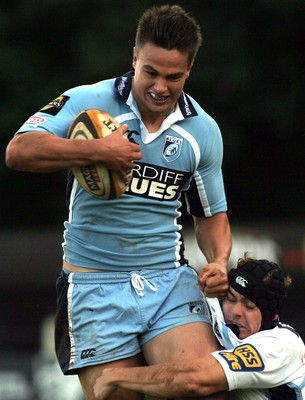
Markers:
{"x": 239, "y": 310}
{"x": 159, "y": 78}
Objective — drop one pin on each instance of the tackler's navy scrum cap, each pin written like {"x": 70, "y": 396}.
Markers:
{"x": 262, "y": 282}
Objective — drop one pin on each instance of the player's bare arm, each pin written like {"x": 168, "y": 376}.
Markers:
{"x": 215, "y": 241}
{"x": 194, "y": 378}
{"x": 45, "y": 152}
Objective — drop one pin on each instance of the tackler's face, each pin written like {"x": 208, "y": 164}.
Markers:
{"x": 159, "y": 79}
{"x": 241, "y": 311}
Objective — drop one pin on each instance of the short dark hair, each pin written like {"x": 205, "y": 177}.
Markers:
{"x": 169, "y": 27}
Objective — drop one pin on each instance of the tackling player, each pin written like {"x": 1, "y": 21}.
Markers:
{"x": 264, "y": 359}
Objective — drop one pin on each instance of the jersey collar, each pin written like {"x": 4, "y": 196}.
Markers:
{"x": 123, "y": 87}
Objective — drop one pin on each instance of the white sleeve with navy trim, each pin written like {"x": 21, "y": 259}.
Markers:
{"x": 264, "y": 360}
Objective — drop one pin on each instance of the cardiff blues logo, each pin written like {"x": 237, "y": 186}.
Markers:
{"x": 172, "y": 148}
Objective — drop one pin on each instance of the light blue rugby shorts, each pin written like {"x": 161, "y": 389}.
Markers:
{"x": 103, "y": 317}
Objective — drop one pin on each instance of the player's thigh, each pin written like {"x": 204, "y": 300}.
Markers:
{"x": 187, "y": 341}
{"x": 88, "y": 376}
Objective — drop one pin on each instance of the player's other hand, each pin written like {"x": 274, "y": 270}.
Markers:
{"x": 213, "y": 280}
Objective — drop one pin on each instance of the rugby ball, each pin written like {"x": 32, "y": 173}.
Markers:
{"x": 96, "y": 179}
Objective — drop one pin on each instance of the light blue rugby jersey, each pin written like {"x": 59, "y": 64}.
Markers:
{"x": 140, "y": 229}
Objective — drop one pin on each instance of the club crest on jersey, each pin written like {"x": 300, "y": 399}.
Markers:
{"x": 243, "y": 358}
{"x": 172, "y": 148}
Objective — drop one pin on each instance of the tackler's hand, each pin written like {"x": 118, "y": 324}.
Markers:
{"x": 103, "y": 388}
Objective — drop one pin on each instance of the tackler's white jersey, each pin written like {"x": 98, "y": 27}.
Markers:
{"x": 270, "y": 362}
{"x": 140, "y": 229}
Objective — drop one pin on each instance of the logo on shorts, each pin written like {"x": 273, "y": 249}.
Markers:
{"x": 243, "y": 358}
{"x": 87, "y": 353}
{"x": 197, "y": 307}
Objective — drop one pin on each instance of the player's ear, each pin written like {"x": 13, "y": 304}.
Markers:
{"x": 134, "y": 57}
{"x": 276, "y": 317}
{"x": 189, "y": 68}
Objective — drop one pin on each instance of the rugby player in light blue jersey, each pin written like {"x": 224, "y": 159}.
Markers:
{"x": 126, "y": 295}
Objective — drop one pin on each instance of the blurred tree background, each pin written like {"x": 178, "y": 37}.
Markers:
{"x": 249, "y": 75}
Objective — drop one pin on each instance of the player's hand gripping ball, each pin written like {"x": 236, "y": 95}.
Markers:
{"x": 96, "y": 179}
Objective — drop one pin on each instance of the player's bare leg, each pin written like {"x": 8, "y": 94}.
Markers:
{"x": 181, "y": 343}
{"x": 88, "y": 376}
